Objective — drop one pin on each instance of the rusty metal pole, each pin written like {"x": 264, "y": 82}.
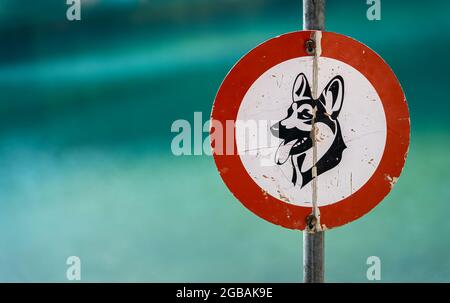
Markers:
{"x": 313, "y": 241}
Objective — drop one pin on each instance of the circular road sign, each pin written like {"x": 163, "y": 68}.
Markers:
{"x": 270, "y": 102}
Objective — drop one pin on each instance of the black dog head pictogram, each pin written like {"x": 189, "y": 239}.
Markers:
{"x": 295, "y": 129}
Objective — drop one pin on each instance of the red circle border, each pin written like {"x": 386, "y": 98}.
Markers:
{"x": 360, "y": 57}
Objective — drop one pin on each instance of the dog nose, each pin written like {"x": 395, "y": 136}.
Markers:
{"x": 275, "y": 129}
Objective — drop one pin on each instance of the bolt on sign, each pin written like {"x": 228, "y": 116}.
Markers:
{"x": 321, "y": 125}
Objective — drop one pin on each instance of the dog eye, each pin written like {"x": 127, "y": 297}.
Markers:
{"x": 304, "y": 114}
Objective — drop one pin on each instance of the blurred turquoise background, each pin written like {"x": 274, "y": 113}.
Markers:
{"x": 86, "y": 167}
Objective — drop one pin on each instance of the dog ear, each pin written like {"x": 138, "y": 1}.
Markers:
{"x": 333, "y": 96}
{"x": 301, "y": 90}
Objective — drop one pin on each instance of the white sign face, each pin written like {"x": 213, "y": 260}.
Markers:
{"x": 278, "y": 155}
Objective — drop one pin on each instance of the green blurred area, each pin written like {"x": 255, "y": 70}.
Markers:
{"x": 86, "y": 166}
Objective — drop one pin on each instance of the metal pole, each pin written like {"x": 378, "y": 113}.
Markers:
{"x": 314, "y": 15}
{"x": 313, "y": 257}
{"x": 313, "y": 241}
